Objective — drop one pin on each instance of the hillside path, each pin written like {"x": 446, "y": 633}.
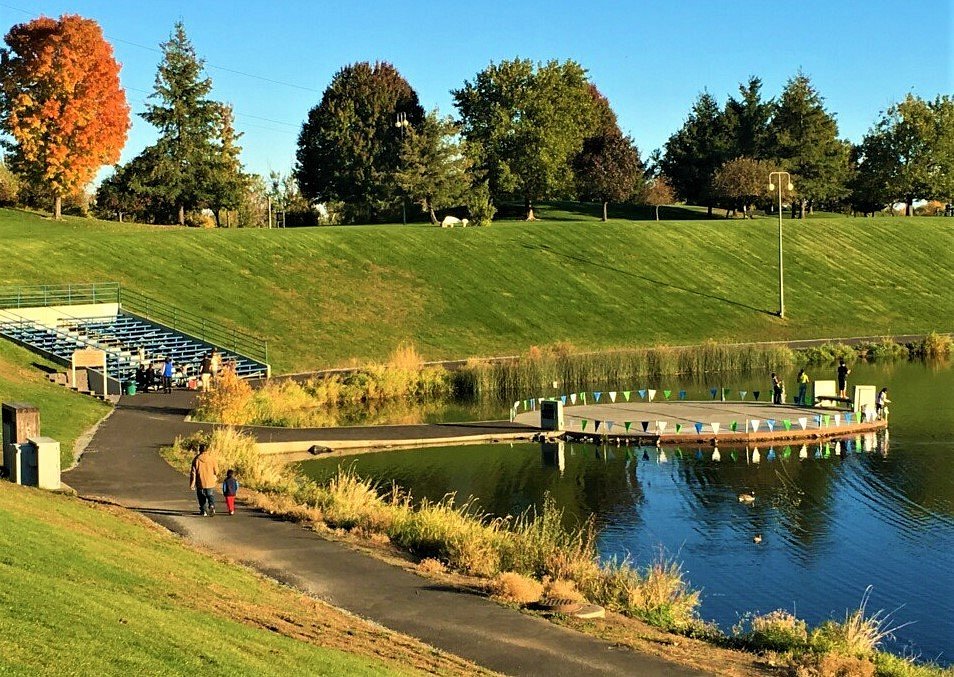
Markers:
{"x": 122, "y": 464}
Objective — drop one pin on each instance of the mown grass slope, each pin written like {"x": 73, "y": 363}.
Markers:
{"x": 95, "y": 590}
{"x": 325, "y": 295}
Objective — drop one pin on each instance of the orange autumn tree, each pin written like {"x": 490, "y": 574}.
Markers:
{"x": 61, "y": 101}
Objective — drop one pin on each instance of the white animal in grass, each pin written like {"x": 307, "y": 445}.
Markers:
{"x": 451, "y": 221}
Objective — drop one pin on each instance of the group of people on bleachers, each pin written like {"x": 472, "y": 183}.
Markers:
{"x": 163, "y": 375}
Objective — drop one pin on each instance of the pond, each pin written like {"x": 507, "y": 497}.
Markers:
{"x": 832, "y": 521}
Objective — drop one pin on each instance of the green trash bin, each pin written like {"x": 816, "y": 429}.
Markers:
{"x": 130, "y": 388}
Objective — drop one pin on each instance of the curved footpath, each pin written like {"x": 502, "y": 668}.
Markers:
{"x": 122, "y": 464}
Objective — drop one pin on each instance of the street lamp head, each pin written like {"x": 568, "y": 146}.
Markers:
{"x": 771, "y": 186}
{"x": 791, "y": 186}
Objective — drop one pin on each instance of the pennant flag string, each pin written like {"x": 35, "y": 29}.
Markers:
{"x": 612, "y": 396}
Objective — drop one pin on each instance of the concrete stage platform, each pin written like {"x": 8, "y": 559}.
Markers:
{"x": 705, "y": 422}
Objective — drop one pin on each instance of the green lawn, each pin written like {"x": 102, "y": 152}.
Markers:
{"x": 96, "y": 591}
{"x": 64, "y": 414}
{"x": 325, "y": 295}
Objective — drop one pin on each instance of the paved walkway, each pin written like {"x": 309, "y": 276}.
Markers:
{"x": 122, "y": 463}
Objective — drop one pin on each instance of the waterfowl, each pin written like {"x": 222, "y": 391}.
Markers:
{"x": 746, "y": 498}
{"x": 757, "y": 538}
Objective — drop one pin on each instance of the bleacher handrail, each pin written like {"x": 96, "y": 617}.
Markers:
{"x": 40, "y": 295}
{"x": 21, "y": 321}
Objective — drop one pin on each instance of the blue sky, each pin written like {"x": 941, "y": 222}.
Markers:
{"x": 651, "y": 59}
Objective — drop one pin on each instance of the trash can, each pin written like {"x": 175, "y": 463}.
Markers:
{"x": 130, "y": 388}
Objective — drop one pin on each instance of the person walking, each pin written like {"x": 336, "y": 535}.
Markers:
{"x": 168, "y": 370}
{"x": 802, "y": 380}
{"x": 205, "y": 372}
{"x": 203, "y": 477}
{"x": 843, "y": 372}
{"x": 776, "y": 389}
{"x": 230, "y": 489}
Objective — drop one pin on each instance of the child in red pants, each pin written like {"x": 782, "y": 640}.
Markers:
{"x": 230, "y": 488}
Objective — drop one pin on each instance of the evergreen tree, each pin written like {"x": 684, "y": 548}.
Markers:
{"x": 804, "y": 139}
{"x": 228, "y": 181}
{"x": 435, "y": 172}
{"x": 186, "y": 119}
{"x": 349, "y": 147}
{"x": 692, "y": 155}
{"x": 747, "y": 122}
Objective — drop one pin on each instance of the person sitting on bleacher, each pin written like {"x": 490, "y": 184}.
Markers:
{"x": 141, "y": 380}
{"x": 149, "y": 378}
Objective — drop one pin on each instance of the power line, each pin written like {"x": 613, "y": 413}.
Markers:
{"x": 238, "y": 113}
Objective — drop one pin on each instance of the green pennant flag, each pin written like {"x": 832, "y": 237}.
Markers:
{"x": 734, "y": 456}
{"x": 667, "y": 393}
{"x": 827, "y": 419}
{"x": 583, "y": 424}
{"x": 678, "y": 428}
{"x": 787, "y": 452}
{"x": 526, "y": 404}
{"x": 626, "y": 394}
{"x": 583, "y": 397}
{"x": 734, "y": 426}
{"x": 628, "y": 424}
{"x": 787, "y": 423}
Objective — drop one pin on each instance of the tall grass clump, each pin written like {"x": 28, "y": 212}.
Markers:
{"x": 859, "y": 635}
{"x": 935, "y": 346}
{"x": 775, "y": 631}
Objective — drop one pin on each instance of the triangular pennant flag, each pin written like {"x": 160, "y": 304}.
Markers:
{"x": 533, "y": 404}
{"x": 827, "y": 419}
{"x": 667, "y": 393}
{"x": 516, "y": 405}
{"x": 771, "y": 424}
{"x": 661, "y": 427}
{"x": 787, "y": 423}
{"x": 678, "y": 428}
{"x": 715, "y": 427}
{"x": 786, "y": 452}
{"x": 678, "y": 452}
{"x": 682, "y": 394}
{"x": 627, "y": 424}
{"x": 734, "y": 456}
{"x": 609, "y": 425}
{"x": 652, "y": 394}
{"x": 803, "y": 422}
{"x": 837, "y": 448}
{"x": 755, "y": 394}
{"x": 645, "y": 454}
{"x": 803, "y": 452}
{"x": 662, "y": 456}
{"x": 713, "y": 392}
{"x": 849, "y": 445}
{"x": 716, "y": 456}
{"x": 698, "y": 428}
{"x": 756, "y": 456}
{"x": 725, "y": 393}
{"x": 563, "y": 399}
{"x": 583, "y": 424}
{"x": 526, "y": 404}
{"x": 742, "y": 394}
{"x": 596, "y": 425}
{"x": 583, "y": 398}
{"x": 642, "y": 394}
{"x": 848, "y": 417}
{"x": 818, "y": 420}
{"x": 597, "y": 394}
{"x": 754, "y": 424}
{"x": 734, "y": 426}
{"x": 626, "y": 394}
{"x": 698, "y": 454}
{"x": 837, "y": 420}
{"x": 612, "y": 395}
{"x": 572, "y": 398}
{"x": 645, "y": 425}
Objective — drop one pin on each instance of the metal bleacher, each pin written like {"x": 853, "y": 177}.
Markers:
{"x": 140, "y": 325}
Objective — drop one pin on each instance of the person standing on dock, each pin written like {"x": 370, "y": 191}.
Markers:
{"x": 881, "y": 404}
{"x": 776, "y": 389}
{"x": 843, "y": 372}
{"x": 802, "y": 388}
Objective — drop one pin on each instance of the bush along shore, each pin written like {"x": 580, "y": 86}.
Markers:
{"x": 532, "y": 557}
{"x": 379, "y": 391}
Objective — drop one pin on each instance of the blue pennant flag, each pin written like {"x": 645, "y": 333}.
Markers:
{"x": 563, "y": 399}
{"x": 642, "y": 394}
{"x": 770, "y": 455}
{"x": 597, "y": 394}
{"x": 770, "y": 423}
{"x": 698, "y": 428}
{"x": 713, "y": 391}
{"x": 698, "y": 454}
{"x": 682, "y": 394}
{"x": 848, "y": 417}
{"x": 818, "y": 421}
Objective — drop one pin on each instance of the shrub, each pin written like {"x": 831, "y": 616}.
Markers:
{"x": 227, "y": 401}
{"x": 561, "y": 589}
{"x": 859, "y": 634}
{"x": 429, "y": 565}
{"x": 935, "y": 346}
{"x": 833, "y": 665}
{"x": 774, "y": 631}
{"x": 479, "y": 205}
{"x": 517, "y": 588}
{"x": 9, "y": 186}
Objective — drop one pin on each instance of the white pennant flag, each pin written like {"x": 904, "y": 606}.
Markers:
{"x": 756, "y": 456}
{"x": 652, "y": 394}
{"x": 662, "y": 456}
{"x": 754, "y": 423}
{"x": 803, "y": 422}
{"x": 572, "y": 398}
{"x": 661, "y": 427}
{"x": 716, "y": 456}
{"x": 715, "y": 427}
{"x": 803, "y": 452}
{"x": 837, "y": 420}
{"x": 837, "y": 447}
{"x": 612, "y": 395}
{"x": 516, "y": 405}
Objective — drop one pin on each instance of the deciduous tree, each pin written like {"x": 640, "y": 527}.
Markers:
{"x": 349, "y": 148}
{"x": 61, "y": 102}
{"x": 524, "y": 124}
{"x": 608, "y": 168}
{"x": 740, "y": 183}
{"x": 658, "y": 192}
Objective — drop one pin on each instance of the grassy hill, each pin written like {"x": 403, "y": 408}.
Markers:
{"x": 96, "y": 590}
{"x": 325, "y": 295}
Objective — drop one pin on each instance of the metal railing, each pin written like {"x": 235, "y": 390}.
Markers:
{"x": 32, "y": 296}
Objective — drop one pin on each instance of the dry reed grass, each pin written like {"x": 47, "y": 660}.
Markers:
{"x": 516, "y": 588}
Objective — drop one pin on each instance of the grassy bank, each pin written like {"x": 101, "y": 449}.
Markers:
{"x": 64, "y": 415}
{"x": 325, "y": 295}
{"x": 96, "y": 590}
{"x": 532, "y": 557}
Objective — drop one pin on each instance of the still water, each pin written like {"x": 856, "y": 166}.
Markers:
{"x": 831, "y": 523}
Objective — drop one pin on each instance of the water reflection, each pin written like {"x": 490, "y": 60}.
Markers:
{"x": 831, "y": 517}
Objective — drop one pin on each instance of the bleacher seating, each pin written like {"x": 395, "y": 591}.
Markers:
{"x": 122, "y": 336}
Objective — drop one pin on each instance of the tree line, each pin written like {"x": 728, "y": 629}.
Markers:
{"x": 524, "y": 132}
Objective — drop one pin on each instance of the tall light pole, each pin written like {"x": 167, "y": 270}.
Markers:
{"x": 402, "y": 124}
{"x": 781, "y": 274}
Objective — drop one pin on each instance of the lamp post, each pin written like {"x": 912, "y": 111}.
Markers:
{"x": 402, "y": 124}
{"x": 781, "y": 275}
